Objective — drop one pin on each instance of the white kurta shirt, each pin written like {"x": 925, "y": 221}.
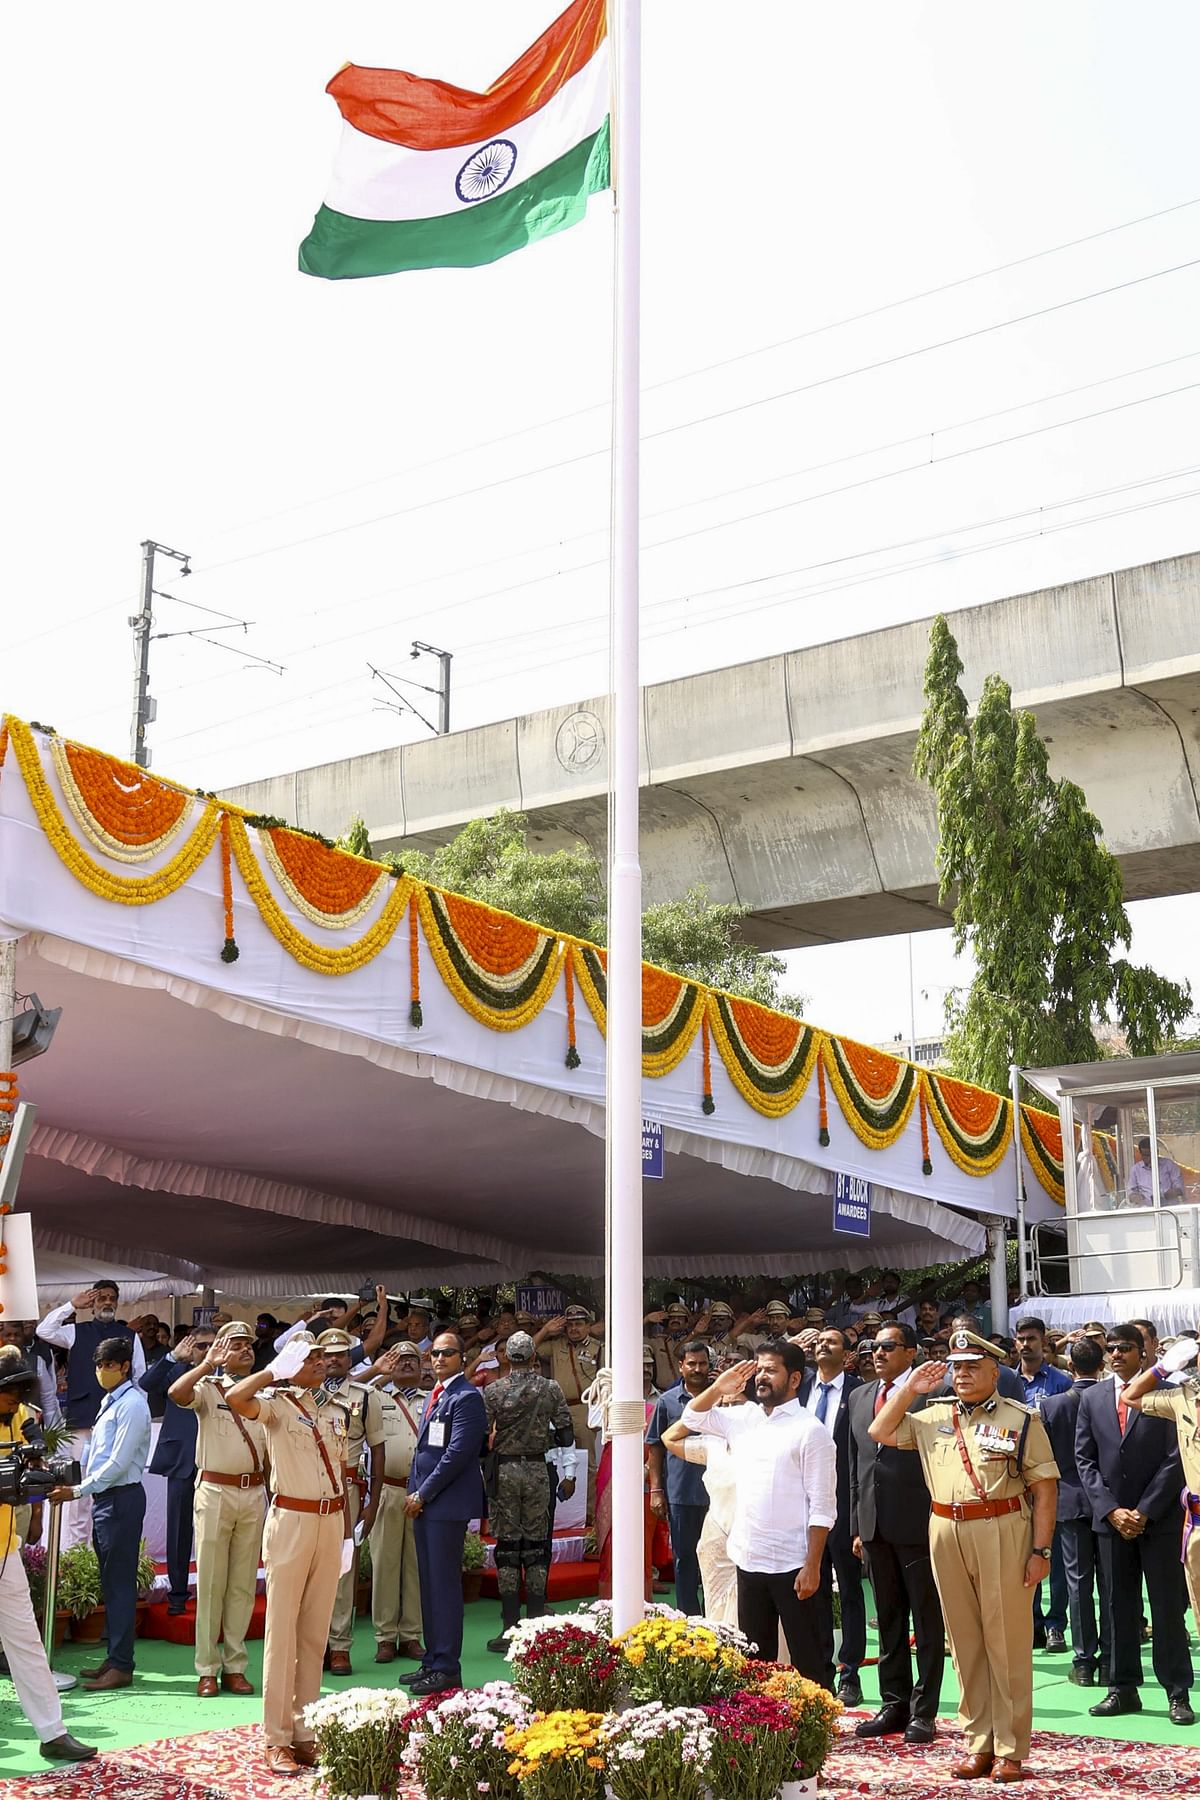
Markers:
{"x": 786, "y": 1480}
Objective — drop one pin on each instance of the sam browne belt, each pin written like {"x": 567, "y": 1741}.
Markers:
{"x": 963, "y": 1510}
{"x": 290, "y": 1503}
{"x": 251, "y": 1479}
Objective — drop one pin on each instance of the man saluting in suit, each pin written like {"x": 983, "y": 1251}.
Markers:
{"x": 445, "y": 1492}
{"x": 825, "y": 1394}
{"x": 1132, "y": 1475}
{"x": 889, "y": 1522}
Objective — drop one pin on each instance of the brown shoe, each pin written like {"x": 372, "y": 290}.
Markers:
{"x": 111, "y": 1678}
{"x": 280, "y": 1760}
{"x": 236, "y": 1684}
{"x": 973, "y": 1768}
{"x": 411, "y": 1650}
{"x": 93, "y": 1673}
{"x": 1007, "y": 1768}
{"x": 339, "y": 1662}
{"x": 305, "y": 1754}
{"x": 206, "y": 1687}
{"x": 385, "y": 1652}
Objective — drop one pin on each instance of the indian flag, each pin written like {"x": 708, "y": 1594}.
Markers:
{"x": 430, "y": 176}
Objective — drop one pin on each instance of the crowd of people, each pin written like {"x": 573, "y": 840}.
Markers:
{"x": 1042, "y": 1498}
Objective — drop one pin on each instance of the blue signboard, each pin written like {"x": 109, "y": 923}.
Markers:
{"x": 542, "y": 1302}
{"x": 652, "y": 1150}
{"x": 852, "y": 1205}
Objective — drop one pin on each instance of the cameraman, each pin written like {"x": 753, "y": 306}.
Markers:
{"x": 18, "y": 1628}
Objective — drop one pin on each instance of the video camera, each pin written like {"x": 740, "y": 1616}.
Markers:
{"x": 23, "y": 1485}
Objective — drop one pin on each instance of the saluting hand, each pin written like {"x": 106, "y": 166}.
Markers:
{"x": 927, "y": 1376}
{"x": 732, "y": 1381}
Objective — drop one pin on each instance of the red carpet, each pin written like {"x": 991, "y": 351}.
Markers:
{"x": 226, "y": 1765}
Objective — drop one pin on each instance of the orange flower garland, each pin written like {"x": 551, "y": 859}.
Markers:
{"x": 822, "y": 1105}
{"x": 926, "y": 1159}
{"x": 229, "y": 952}
{"x": 498, "y": 942}
{"x": 707, "y": 1104}
{"x": 3, "y": 744}
{"x": 125, "y": 812}
{"x": 330, "y": 888}
{"x": 416, "y": 1017}
{"x": 572, "y": 1058}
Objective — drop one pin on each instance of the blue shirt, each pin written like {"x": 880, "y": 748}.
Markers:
{"x": 685, "y": 1481}
{"x": 1048, "y": 1380}
{"x": 120, "y": 1443}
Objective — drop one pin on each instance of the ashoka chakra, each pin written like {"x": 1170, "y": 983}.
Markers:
{"x": 486, "y": 170}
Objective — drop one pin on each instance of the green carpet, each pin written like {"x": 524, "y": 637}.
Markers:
{"x": 162, "y": 1701}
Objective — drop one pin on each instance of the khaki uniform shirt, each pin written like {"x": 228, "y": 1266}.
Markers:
{"x": 220, "y": 1445}
{"x": 573, "y": 1366}
{"x": 401, "y": 1417}
{"x": 1180, "y": 1404}
{"x": 364, "y": 1417}
{"x": 991, "y": 1434}
{"x": 287, "y": 1417}
{"x": 666, "y": 1359}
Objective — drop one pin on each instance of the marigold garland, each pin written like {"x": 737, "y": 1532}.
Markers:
{"x": 708, "y": 1105}
{"x": 3, "y": 744}
{"x": 926, "y": 1159}
{"x": 463, "y": 941}
{"x": 416, "y": 1017}
{"x": 876, "y": 1092}
{"x": 975, "y": 1126}
{"x": 119, "y": 808}
{"x": 1041, "y": 1139}
{"x": 822, "y": 1105}
{"x": 672, "y": 1009}
{"x": 572, "y": 1056}
{"x": 229, "y": 952}
{"x": 590, "y": 968}
{"x": 331, "y": 888}
{"x": 322, "y": 959}
{"x": 768, "y": 1056}
{"x": 123, "y": 890}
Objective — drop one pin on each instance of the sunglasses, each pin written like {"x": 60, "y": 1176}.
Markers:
{"x": 1120, "y": 1344}
{"x": 445, "y": 1353}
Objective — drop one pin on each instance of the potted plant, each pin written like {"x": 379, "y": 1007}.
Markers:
{"x": 360, "y": 1736}
{"x": 565, "y": 1666}
{"x": 754, "y": 1747}
{"x": 80, "y": 1593}
{"x": 559, "y": 1756}
{"x": 459, "y": 1750}
{"x": 814, "y": 1714}
{"x": 472, "y": 1566}
{"x": 679, "y": 1662}
{"x": 145, "y": 1578}
{"x": 658, "y": 1752}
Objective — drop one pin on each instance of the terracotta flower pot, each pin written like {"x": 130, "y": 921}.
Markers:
{"x": 362, "y": 1598}
{"x": 472, "y": 1583}
{"x": 88, "y": 1630}
{"x": 61, "y": 1621}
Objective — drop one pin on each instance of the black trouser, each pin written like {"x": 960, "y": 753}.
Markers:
{"x": 181, "y": 1493}
{"x": 1089, "y": 1647}
{"x": 1051, "y": 1615}
{"x": 901, "y": 1577}
{"x": 117, "y": 1516}
{"x": 841, "y": 1561}
{"x": 1123, "y": 1563}
{"x": 765, "y": 1602}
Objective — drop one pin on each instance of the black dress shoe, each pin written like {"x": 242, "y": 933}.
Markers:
{"x": 1056, "y": 1643}
{"x": 176, "y": 1608}
{"x": 1082, "y": 1675}
{"x": 850, "y": 1690}
{"x": 889, "y": 1721}
{"x": 65, "y": 1748}
{"x": 1116, "y": 1701}
{"x": 1181, "y": 1711}
{"x": 920, "y": 1731}
{"x": 433, "y": 1683}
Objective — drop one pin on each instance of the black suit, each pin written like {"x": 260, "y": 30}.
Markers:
{"x": 1060, "y": 1416}
{"x": 1140, "y": 1470}
{"x": 889, "y": 1511}
{"x": 175, "y": 1457}
{"x": 839, "y": 1559}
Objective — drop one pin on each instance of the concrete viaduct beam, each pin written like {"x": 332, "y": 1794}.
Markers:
{"x": 785, "y": 784}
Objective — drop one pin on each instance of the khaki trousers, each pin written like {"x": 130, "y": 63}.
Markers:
{"x": 1191, "y": 1569}
{"x": 229, "y": 1530}
{"x": 341, "y": 1625}
{"x": 395, "y": 1584}
{"x": 979, "y": 1570}
{"x": 302, "y": 1553}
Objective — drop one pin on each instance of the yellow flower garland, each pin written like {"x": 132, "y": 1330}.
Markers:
{"x": 493, "y": 1017}
{"x": 124, "y": 890}
{"x": 771, "y": 1106}
{"x": 320, "y": 958}
{"x": 91, "y": 826}
{"x": 984, "y": 1162}
{"x": 875, "y": 1138}
{"x": 331, "y": 921}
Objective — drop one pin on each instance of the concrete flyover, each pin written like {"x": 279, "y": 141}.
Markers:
{"x": 786, "y": 784}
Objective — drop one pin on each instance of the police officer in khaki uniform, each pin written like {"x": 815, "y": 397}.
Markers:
{"x": 668, "y": 1348}
{"x": 994, "y": 1485}
{"x": 395, "y": 1584}
{"x": 571, "y": 1356}
{"x": 230, "y": 1496}
{"x": 776, "y": 1316}
{"x": 307, "y": 1542}
{"x": 717, "y": 1325}
{"x": 1179, "y": 1401}
{"x": 364, "y": 1410}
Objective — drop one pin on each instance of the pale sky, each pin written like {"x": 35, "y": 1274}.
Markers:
{"x": 352, "y": 465}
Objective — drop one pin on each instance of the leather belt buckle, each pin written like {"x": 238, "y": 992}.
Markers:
{"x": 958, "y": 1511}
{"x": 246, "y": 1481}
{"x": 325, "y": 1507}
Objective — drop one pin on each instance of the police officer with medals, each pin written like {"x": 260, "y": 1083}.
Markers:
{"x": 994, "y": 1486}
{"x": 527, "y": 1416}
{"x": 228, "y": 1510}
{"x": 364, "y": 1413}
{"x": 572, "y": 1357}
{"x": 307, "y": 1544}
{"x": 395, "y": 1582}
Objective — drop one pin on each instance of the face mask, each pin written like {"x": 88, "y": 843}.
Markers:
{"x": 110, "y": 1378}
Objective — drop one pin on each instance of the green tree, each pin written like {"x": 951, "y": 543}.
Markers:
{"x": 357, "y": 840}
{"x": 1040, "y": 902}
{"x": 491, "y": 860}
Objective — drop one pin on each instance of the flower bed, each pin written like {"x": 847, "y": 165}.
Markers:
{"x": 673, "y": 1709}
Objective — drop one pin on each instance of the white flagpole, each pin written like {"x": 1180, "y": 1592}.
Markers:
{"x": 624, "y": 1323}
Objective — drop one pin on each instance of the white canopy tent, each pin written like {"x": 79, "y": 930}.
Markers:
{"x": 261, "y": 1125}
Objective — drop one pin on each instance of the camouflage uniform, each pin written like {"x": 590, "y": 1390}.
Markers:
{"x": 527, "y": 1415}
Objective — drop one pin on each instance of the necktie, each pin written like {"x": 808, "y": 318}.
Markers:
{"x": 1122, "y": 1414}
{"x": 436, "y": 1396}
{"x": 823, "y": 1400}
{"x": 885, "y": 1388}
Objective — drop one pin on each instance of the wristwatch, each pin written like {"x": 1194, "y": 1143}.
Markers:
{"x": 1044, "y": 1554}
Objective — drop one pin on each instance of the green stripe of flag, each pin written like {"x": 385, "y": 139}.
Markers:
{"x": 340, "y": 248}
